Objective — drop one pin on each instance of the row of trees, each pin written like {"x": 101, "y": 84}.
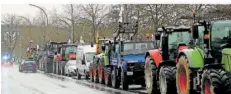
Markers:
{"x": 85, "y": 20}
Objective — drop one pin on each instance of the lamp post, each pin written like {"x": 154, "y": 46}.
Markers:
{"x": 46, "y": 18}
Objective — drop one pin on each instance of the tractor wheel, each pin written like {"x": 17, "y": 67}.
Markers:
{"x": 167, "y": 80}
{"x": 228, "y": 85}
{"x": 115, "y": 79}
{"x": 183, "y": 76}
{"x": 213, "y": 81}
{"x": 95, "y": 76}
{"x": 91, "y": 74}
{"x": 107, "y": 77}
{"x": 124, "y": 80}
{"x": 101, "y": 74}
{"x": 78, "y": 75}
{"x": 150, "y": 76}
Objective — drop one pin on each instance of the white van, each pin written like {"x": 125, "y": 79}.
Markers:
{"x": 84, "y": 58}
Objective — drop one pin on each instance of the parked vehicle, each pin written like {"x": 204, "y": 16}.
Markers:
{"x": 70, "y": 68}
{"x": 160, "y": 64}
{"x": 57, "y": 56}
{"x": 199, "y": 69}
{"x": 84, "y": 59}
{"x": 28, "y": 65}
{"x": 67, "y": 52}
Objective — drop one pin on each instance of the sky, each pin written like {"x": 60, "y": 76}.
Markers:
{"x": 26, "y": 10}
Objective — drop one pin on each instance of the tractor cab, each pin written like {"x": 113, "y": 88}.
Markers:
{"x": 69, "y": 51}
{"x": 220, "y": 37}
{"x": 171, "y": 40}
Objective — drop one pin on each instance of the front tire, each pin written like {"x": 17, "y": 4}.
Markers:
{"x": 213, "y": 81}
{"x": 167, "y": 80}
{"x": 124, "y": 80}
{"x": 150, "y": 76}
{"x": 115, "y": 79}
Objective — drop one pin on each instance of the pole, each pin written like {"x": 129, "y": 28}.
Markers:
{"x": 46, "y": 18}
{"x": 72, "y": 22}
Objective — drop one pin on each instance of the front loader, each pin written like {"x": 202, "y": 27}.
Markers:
{"x": 200, "y": 69}
{"x": 160, "y": 64}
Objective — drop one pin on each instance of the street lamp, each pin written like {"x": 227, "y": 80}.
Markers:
{"x": 45, "y": 15}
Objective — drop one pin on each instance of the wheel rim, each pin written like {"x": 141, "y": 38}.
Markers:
{"x": 100, "y": 72}
{"x": 163, "y": 85}
{"x": 112, "y": 78}
{"x": 207, "y": 87}
{"x": 94, "y": 73}
{"x": 183, "y": 80}
{"x": 106, "y": 77}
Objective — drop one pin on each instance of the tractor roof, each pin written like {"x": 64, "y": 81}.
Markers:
{"x": 71, "y": 45}
{"x": 170, "y": 29}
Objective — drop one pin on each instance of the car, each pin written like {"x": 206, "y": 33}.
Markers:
{"x": 70, "y": 68}
{"x": 28, "y": 65}
{"x": 84, "y": 60}
{"x": 7, "y": 64}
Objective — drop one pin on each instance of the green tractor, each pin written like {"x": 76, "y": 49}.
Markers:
{"x": 199, "y": 69}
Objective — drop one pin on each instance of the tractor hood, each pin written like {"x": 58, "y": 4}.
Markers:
{"x": 134, "y": 58}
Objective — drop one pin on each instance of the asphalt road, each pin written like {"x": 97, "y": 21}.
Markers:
{"x": 14, "y": 82}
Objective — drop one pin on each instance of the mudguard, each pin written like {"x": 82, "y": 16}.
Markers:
{"x": 155, "y": 55}
{"x": 195, "y": 57}
{"x": 226, "y": 59}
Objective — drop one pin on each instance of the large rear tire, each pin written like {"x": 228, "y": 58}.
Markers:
{"x": 150, "y": 76}
{"x": 213, "y": 81}
{"x": 107, "y": 76}
{"x": 91, "y": 74}
{"x": 95, "y": 76}
{"x": 101, "y": 74}
{"x": 183, "y": 82}
{"x": 167, "y": 80}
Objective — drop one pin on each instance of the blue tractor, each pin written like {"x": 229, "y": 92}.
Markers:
{"x": 121, "y": 59}
{"x": 128, "y": 60}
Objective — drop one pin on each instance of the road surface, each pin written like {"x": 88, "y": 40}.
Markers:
{"x": 14, "y": 82}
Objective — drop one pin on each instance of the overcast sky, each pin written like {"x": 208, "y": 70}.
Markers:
{"x": 26, "y": 10}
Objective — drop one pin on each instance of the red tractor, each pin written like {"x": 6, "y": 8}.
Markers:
{"x": 160, "y": 63}
{"x": 65, "y": 53}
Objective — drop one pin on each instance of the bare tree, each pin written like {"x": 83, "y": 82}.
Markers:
{"x": 10, "y": 32}
{"x": 94, "y": 13}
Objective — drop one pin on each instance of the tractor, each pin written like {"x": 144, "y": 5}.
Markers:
{"x": 93, "y": 75}
{"x": 122, "y": 59}
{"x": 49, "y": 53}
{"x": 66, "y": 52}
{"x": 203, "y": 68}
{"x": 57, "y": 56}
{"x": 160, "y": 63}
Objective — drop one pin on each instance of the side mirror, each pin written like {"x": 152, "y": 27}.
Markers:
{"x": 195, "y": 32}
{"x": 157, "y": 36}
{"x": 92, "y": 44}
